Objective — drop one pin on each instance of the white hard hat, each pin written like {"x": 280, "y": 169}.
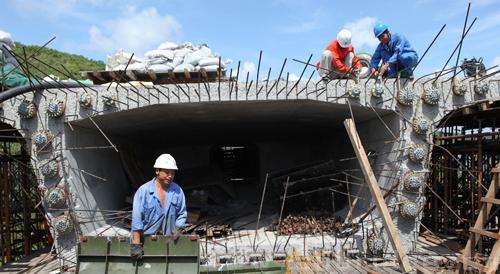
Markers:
{"x": 344, "y": 38}
{"x": 165, "y": 161}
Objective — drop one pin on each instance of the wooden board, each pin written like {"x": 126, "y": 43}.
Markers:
{"x": 493, "y": 235}
{"x": 157, "y": 78}
{"x": 377, "y": 196}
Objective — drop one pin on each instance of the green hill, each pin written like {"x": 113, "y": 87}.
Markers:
{"x": 72, "y": 62}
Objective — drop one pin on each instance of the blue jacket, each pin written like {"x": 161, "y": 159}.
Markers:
{"x": 392, "y": 51}
{"x": 150, "y": 217}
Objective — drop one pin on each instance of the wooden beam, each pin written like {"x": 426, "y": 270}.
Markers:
{"x": 493, "y": 235}
{"x": 490, "y": 200}
{"x": 494, "y": 259}
{"x": 97, "y": 75}
{"x": 131, "y": 74}
{"x": 152, "y": 75}
{"x": 377, "y": 195}
{"x": 483, "y": 213}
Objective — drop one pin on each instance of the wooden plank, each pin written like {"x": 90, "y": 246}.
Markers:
{"x": 203, "y": 73}
{"x": 187, "y": 74}
{"x": 483, "y": 214}
{"x": 490, "y": 200}
{"x": 377, "y": 195}
{"x": 495, "y": 170}
{"x": 131, "y": 74}
{"x": 494, "y": 259}
{"x": 152, "y": 74}
{"x": 98, "y": 76}
{"x": 490, "y": 234}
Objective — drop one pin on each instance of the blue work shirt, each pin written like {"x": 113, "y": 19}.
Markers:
{"x": 392, "y": 52}
{"x": 149, "y": 216}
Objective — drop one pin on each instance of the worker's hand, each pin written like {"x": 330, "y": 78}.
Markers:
{"x": 136, "y": 251}
{"x": 383, "y": 69}
{"x": 374, "y": 72}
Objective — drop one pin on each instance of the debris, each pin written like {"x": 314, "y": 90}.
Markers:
{"x": 307, "y": 224}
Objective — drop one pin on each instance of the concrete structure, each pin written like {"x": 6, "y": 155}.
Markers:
{"x": 83, "y": 140}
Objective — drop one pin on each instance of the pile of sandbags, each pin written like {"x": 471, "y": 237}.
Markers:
{"x": 120, "y": 59}
{"x": 168, "y": 57}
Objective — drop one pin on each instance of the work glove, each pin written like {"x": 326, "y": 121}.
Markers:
{"x": 136, "y": 251}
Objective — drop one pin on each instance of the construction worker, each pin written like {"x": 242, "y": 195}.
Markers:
{"x": 159, "y": 206}
{"x": 394, "y": 51}
{"x": 339, "y": 60}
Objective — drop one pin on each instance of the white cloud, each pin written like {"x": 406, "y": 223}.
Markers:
{"x": 302, "y": 27}
{"x": 248, "y": 67}
{"x": 134, "y": 31}
{"x": 491, "y": 21}
{"x": 362, "y": 33}
{"x": 496, "y": 61}
{"x": 50, "y": 9}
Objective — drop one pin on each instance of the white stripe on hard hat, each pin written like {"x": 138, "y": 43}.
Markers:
{"x": 165, "y": 161}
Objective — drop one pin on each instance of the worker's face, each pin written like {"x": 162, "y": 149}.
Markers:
{"x": 385, "y": 37}
{"x": 165, "y": 175}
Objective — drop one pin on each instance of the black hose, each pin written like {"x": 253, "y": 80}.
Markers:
{"x": 10, "y": 93}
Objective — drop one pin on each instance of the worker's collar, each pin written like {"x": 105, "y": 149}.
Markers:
{"x": 152, "y": 186}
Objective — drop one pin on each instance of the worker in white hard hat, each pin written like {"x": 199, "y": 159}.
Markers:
{"x": 159, "y": 206}
{"x": 339, "y": 59}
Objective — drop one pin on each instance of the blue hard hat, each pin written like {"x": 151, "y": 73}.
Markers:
{"x": 379, "y": 28}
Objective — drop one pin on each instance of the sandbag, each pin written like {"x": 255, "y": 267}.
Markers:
{"x": 168, "y": 45}
{"x": 194, "y": 57}
{"x": 121, "y": 57}
{"x": 182, "y": 67}
{"x": 156, "y": 61}
{"x": 209, "y": 61}
{"x": 161, "y": 68}
{"x": 211, "y": 68}
{"x": 160, "y": 53}
{"x": 6, "y": 38}
{"x": 137, "y": 66}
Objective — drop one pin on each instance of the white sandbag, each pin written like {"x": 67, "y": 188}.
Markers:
{"x": 6, "y": 38}
{"x": 137, "y": 66}
{"x": 182, "y": 67}
{"x": 160, "y": 53}
{"x": 168, "y": 45}
{"x": 194, "y": 57}
{"x": 161, "y": 68}
{"x": 118, "y": 60}
{"x": 182, "y": 52}
{"x": 209, "y": 61}
{"x": 211, "y": 68}
{"x": 156, "y": 61}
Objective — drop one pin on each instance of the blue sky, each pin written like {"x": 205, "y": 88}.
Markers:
{"x": 239, "y": 29}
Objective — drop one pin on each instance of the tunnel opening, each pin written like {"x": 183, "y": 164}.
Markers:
{"x": 227, "y": 153}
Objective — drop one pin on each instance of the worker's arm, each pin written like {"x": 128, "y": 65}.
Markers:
{"x": 180, "y": 222}
{"x": 377, "y": 56}
{"x": 356, "y": 63}
{"x": 137, "y": 225}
